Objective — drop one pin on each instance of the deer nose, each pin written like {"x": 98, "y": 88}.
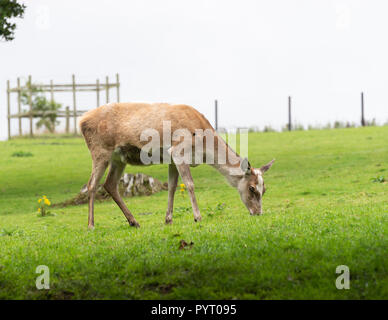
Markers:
{"x": 256, "y": 212}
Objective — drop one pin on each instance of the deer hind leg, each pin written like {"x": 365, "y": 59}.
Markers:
{"x": 172, "y": 183}
{"x": 184, "y": 171}
{"x": 100, "y": 163}
{"x": 111, "y": 186}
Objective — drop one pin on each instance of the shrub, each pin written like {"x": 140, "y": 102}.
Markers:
{"x": 21, "y": 154}
{"x": 268, "y": 129}
{"x": 370, "y": 123}
{"x": 42, "y": 106}
{"x": 379, "y": 179}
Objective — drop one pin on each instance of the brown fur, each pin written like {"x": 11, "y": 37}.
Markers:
{"x": 117, "y": 127}
{"x": 120, "y": 124}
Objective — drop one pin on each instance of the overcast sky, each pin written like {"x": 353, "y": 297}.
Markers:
{"x": 250, "y": 55}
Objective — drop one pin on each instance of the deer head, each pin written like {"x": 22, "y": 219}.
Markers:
{"x": 251, "y": 186}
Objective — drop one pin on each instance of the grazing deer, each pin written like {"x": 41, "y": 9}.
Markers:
{"x": 113, "y": 135}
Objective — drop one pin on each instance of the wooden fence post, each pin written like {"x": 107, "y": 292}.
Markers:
{"x": 9, "y": 110}
{"x": 118, "y": 87}
{"x": 362, "y": 110}
{"x": 289, "y": 114}
{"x": 98, "y": 92}
{"x": 107, "y": 89}
{"x": 52, "y": 97}
{"x": 30, "y": 104}
{"x": 19, "y": 109}
{"x": 51, "y": 91}
{"x": 216, "y": 114}
{"x": 74, "y": 107}
{"x": 67, "y": 119}
{"x": 29, "y": 91}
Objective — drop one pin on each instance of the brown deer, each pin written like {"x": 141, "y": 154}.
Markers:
{"x": 114, "y": 135}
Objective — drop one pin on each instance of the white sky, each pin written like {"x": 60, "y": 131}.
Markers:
{"x": 250, "y": 55}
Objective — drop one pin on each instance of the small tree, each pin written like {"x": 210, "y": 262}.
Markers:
{"x": 41, "y": 105}
{"x": 9, "y": 9}
{"x": 49, "y": 109}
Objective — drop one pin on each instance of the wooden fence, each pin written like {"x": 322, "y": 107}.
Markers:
{"x": 51, "y": 88}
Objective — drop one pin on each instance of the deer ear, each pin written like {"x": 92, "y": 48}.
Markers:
{"x": 267, "y": 166}
{"x": 245, "y": 166}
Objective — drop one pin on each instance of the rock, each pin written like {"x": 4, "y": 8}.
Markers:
{"x": 129, "y": 186}
{"x": 139, "y": 184}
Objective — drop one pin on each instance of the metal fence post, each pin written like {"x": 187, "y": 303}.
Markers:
{"x": 362, "y": 110}
{"x": 289, "y": 114}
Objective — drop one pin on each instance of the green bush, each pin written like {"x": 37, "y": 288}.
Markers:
{"x": 22, "y": 154}
{"x": 47, "y": 109}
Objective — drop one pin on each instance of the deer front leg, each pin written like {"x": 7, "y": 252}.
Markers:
{"x": 111, "y": 186}
{"x": 172, "y": 183}
{"x": 184, "y": 171}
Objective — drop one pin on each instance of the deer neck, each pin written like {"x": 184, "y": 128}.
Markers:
{"x": 228, "y": 165}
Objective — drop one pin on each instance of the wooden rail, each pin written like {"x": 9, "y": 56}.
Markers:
{"x": 73, "y": 87}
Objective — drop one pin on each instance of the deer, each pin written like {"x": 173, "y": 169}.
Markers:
{"x": 113, "y": 135}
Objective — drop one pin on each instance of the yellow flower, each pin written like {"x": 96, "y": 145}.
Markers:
{"x": 40, "y": 200}
{"x": 39, "y": 210}
{"x": 47, "y": 201}
{"x": 44, "y": 197}
{"x": 182, "y": 186}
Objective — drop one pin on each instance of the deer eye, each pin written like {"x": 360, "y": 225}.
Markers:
{"x": 252, "y": 189}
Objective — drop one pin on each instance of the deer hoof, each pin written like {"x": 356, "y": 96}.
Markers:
{"x": 134, "y": 224}
{"x": 90, "y": 227}
{"x": 168, "y": 221}
{"x": 198, "y": 219}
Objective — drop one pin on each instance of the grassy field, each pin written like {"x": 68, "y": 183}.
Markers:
{"x": 321, "y": 209}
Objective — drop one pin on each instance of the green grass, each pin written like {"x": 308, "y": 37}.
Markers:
{"x": 322, "y": 209}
